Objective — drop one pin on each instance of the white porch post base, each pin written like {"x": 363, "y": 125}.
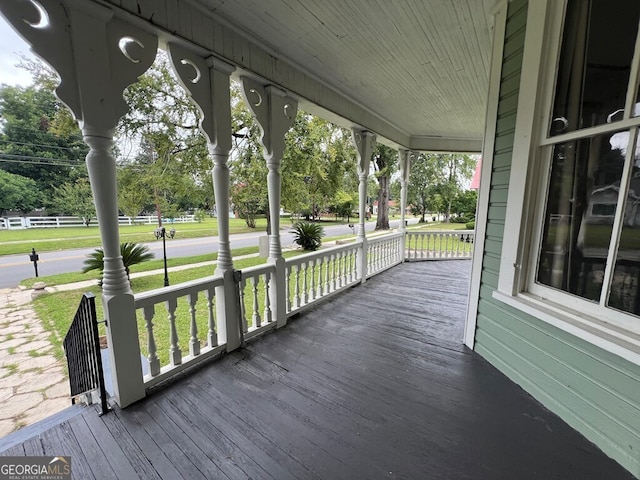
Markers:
{"x": 228, "y": 313}
{"x": 278, "y": 292}
{"x": 124, "y": 349}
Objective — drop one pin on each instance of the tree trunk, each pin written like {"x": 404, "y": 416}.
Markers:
{"x": 382, "y": 222}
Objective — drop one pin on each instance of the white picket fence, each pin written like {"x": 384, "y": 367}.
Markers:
{"x": 16, "y": 223}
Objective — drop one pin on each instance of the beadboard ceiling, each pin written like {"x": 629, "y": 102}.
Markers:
{"x": 422, "y": 65}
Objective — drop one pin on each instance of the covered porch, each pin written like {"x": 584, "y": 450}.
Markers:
{"x": 374, "y": 385}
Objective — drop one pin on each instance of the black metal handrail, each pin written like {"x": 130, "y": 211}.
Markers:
{"x": 82, "y": 349}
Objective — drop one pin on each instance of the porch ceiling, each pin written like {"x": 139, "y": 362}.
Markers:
{"x": 422, "y": 66}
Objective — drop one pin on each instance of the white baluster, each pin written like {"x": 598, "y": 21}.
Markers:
{"x": 267, "y": 301}
{"x": 320, "y": 265}
{"x": 212, "y": 336}
{"x": 287, "y": 279}
{"x": 243, "y": 309}
{"x": 312, "y": 287}
{"x": 352, "y": 267}
{"x": 194, "y": 342}
{"x": 305, "y": 291}
{"x": 154, "y": 362}
{"x": 256, "y": 306}
{"x": 175, "y": 355}
{"x": 296, "y": 293}
{"x": 326, "y": 270}
{"x": 332, "y": 286}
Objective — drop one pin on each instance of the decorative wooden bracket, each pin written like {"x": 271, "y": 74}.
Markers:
{"x": 207, "y": 82}
{"x": 274, "y": 111}
{"x": 95, "y": 54}
{"x": 365, "y": 142}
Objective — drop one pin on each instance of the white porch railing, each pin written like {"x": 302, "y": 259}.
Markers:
{"x": 190, "y": 321}
{"x": 316, "y": 275}
{"x": 439, "y": 245}
{"x": 383, "y": 253}
{"x": 255, "y": 302}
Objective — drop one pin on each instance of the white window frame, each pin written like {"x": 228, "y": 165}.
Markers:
{"x": 615, "y": 332}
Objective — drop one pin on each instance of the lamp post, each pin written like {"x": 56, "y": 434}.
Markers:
{"x": 163, "y": 234}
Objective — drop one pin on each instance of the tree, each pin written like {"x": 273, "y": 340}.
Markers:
{"x": 458, "y": 170}
{"x": 17, "y": 193}
{"x": 248, "y": 168}
{"x": 75, "y": 199}
{"x": 317, "y": 158}
{"x": 134, "y": 195}
{"x": 427, "y": 173}
{"x": 384, "y": 161}
{"x": 171, "y": 157}
{"x": 464, "y": 204}
{"x": 436, "y": 180}
{"x": 39, "y": 138}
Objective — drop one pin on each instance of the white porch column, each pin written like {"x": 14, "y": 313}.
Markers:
{"x": 207, "y": 81}
{"x": 364, "y": 142}
{"x": 275, "y": 112}
{"x": 96, "y": 56}
{"x": 404, "y": 159}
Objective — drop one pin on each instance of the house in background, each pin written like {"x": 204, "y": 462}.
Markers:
{"x": 559, "y": 79}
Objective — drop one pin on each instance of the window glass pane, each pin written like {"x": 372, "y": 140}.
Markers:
{"x": 625, "y": 283}
{"x": 581, "y": 204}
{"x": 595, "y": 62}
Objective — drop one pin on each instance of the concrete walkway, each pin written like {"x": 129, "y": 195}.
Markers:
{"x": 33, "y": 382}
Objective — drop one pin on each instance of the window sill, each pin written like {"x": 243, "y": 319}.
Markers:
{"x": 620, "y": 342}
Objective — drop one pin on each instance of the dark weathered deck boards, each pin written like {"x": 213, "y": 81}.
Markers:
{"x": 375, "y": 384}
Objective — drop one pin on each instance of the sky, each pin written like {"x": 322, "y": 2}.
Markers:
{"x": 11, "y": 45}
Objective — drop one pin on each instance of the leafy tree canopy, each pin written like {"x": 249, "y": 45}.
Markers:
{"x": 75, "y": 199}
{"x": 17, "y": 193}
{"x": 38, "y": 137}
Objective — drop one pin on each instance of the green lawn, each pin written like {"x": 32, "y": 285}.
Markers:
{"x": 51, "y": 239}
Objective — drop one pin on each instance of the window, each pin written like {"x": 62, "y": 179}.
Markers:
{"x": 570, "y": 253}
{"x": 589, "y": 240}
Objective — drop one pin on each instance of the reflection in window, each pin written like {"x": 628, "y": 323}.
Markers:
{"x": 625, "y": 291}
{"x": 581, "y": 205}
{"x": 595, "y": 63}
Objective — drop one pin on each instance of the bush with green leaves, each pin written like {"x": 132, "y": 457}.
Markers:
{"x": 308, "y": 235}
{"x": 470, "y": 225}
{"x": 132, "y": 254}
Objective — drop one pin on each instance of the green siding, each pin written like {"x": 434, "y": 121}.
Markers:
{"x": 596, "y": 392}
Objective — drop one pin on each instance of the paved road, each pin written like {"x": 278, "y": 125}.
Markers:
{"x": 15, "y": 268}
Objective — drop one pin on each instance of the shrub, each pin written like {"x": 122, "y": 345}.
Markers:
{"x": 308, "y": 235}
{"x": 470, "y": 225}
{"x": 132, "y": 254}
{"x": 199, "y": 216}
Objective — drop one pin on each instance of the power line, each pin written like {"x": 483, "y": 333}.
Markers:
{"x": 13, "y": 142}
{"x": 7, "y": 158}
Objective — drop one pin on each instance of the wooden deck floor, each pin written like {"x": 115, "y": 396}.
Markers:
{"x": 375, "y": 384}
